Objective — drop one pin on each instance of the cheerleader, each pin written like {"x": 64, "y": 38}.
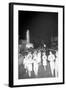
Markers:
{"x": 25, "y": 62}
{"x": 35, "y": 63}
{"x": 39, "y": 57}
{"x": 56, "y": 65}
{"x": 51, "y": 58}
{"x": 29, "y": 65}
{"x": 44, "y": 58}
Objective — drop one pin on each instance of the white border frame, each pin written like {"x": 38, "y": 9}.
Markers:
{"x": 15, "y": 44}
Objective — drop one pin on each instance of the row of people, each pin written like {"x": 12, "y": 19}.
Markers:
{"x": 33, "y": 61}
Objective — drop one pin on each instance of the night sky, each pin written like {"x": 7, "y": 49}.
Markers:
{"x": 42, "y": 25}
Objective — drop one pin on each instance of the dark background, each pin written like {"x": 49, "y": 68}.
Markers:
{"x": 42, "y": 25}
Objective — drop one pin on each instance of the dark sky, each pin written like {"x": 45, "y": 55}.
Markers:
{"x": 42, "y": 25}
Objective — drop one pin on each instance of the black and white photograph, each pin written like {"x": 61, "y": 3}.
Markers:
{"x": 37, "y": 44}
